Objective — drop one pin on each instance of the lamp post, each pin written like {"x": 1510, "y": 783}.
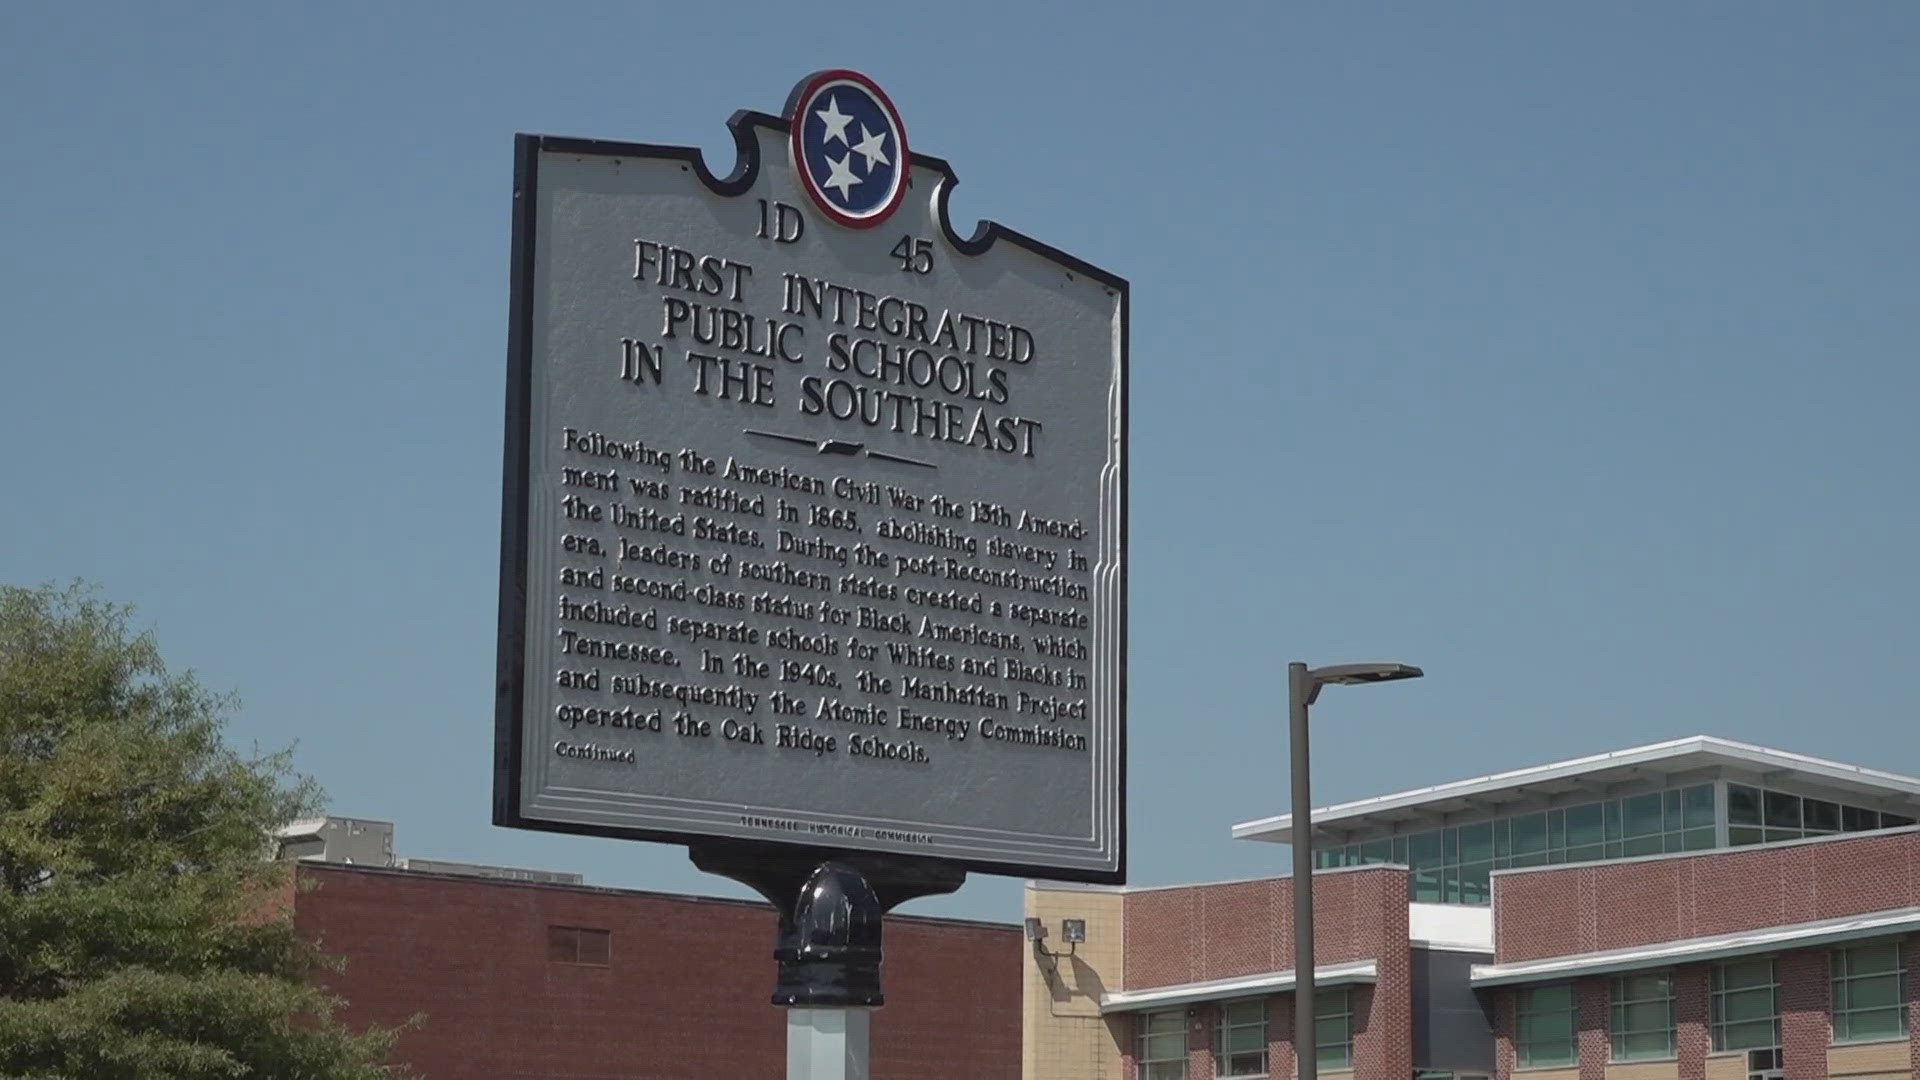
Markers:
{"x": 1303, "y": 687}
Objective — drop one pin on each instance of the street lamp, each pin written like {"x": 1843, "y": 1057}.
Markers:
{"x": 1303, "y": 688}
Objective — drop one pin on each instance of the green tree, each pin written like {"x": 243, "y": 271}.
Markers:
{"x": 143, "y": 930}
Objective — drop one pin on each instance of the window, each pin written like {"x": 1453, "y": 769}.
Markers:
{"x": 1240, "y": 1042}
{"x": 1455, "y": 865}
{"x": 1867, "y": 1002}
{"x": 1642, "y": 1017}
{"x": 1756, "y": 816}
{"x": 1333, "y": 1028}
{"x": 1161, "y": 1053}
{"x": 1544, "y": 1032}
{"x": 579, "y": 945}
{"x": 1746, "y": 1005}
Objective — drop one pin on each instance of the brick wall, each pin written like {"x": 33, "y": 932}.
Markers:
{"x": 1579, "y": 909}
{"x": 1206, "y": 932}
{"x": 1691, "y": 1038}
{"x": 684, "y": 994}
{"x": 1203, "y": 932}
{"x": 1592, "y": 1004}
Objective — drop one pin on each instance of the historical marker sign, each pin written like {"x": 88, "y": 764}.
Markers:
{"x": 815, "y": 520}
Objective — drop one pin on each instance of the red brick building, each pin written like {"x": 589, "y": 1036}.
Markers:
{"x": 1698, "y": 909}
{"x": 530, "y": 981}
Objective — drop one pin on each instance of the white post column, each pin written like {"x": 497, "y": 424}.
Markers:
{"x": 827, "y": 1044}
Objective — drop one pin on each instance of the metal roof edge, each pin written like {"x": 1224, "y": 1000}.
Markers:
{"x": 1278, "y": 828}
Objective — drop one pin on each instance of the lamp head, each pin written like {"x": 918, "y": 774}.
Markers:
{"x": 1358, "y": 674}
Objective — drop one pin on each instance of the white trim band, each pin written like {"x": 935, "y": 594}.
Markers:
{"x": 1244, "y": 986}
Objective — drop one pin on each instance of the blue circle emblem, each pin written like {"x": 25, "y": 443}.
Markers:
{"x": 849, "y": 148}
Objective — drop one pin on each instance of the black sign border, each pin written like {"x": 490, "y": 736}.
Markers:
{"x": 509, "y": 686}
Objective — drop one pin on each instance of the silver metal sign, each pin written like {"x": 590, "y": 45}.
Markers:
{"x": 815, "y": 516}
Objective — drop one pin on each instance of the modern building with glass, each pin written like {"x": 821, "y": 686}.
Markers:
{"x": 1698, "y": 908}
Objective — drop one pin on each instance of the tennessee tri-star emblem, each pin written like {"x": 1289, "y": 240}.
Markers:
{"x": 849, "y": 148}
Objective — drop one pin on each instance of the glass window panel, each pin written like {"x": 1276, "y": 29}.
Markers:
{"x": 1868, "y": 959}
{"x": 1502, "y": 844}
{"x": 1611, "y": 812}
{"x": 1246, "y": 1012}
{"x": 1476, "y": 884}
{"x": 1748, "y": 1035}
{"x": 1894, "y": 821}
{"x": 1556, "y": 831}
{"x": 1529, "y": 834}
{"x": 1698, "y": 801}
{"x": 1648, "y": 1044}
{"x": 1450, "y": 845}
{"x": 1549, "y": 997}
{"x": 1376, "y": 851}
{"x": 1747, "y": 1004}
{"x": 1642, "y": 845}
{"x": 1589, "y": 853}
{"x": 596, "y": 946}
{"x": 1821, "y": 815}
{"x": 1161, "y": 1047}
{"x": 1583, "y": 825}
{"x": 1697, "y": 839}
{"x": 1738, "y": 836}
{"x": 1638, "y": 987}
{"x": 1743, "y": 805}
{"x": 1783, "y": 810}
{"x": 1168, "y": 1020}
{"x": 1858, "y": 819}
{"x": 1641, "y": 815}
{"x": 1776, "y": 835}
{"x": 1476, "y": 843}
{"x": 1645, "y": 1015}
{"x": 1426, "y": 886}
{"x": 1870, "y": 1025}
{"x": 1670, "y": 799}
{"x": 1423, "y": 849}
{"x": 1875, "y": 992}
{"x": 1400, "y": 850}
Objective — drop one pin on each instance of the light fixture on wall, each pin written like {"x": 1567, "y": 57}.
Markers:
{"x": 1072, "y": 931}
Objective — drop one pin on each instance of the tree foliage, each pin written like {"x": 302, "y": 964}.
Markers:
{"x": 143, "y": 931}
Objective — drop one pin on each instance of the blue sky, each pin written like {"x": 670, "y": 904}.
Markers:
{"x": 1566, "y": 351}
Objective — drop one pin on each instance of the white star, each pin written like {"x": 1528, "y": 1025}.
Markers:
{"x": 835, "y": 120}
{"x": 841, "y": 176}
{"x": 873, "y": 147}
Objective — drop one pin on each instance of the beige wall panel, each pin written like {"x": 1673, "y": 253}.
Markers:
{"x": 1645, "y": 1070}
{"x": 1727, "y": 1066}
{"x": 1868, "y": 1060}
{"x": 1063, "y": 1036}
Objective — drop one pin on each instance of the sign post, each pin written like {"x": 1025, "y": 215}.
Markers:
{"x": 813, "y": 541}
